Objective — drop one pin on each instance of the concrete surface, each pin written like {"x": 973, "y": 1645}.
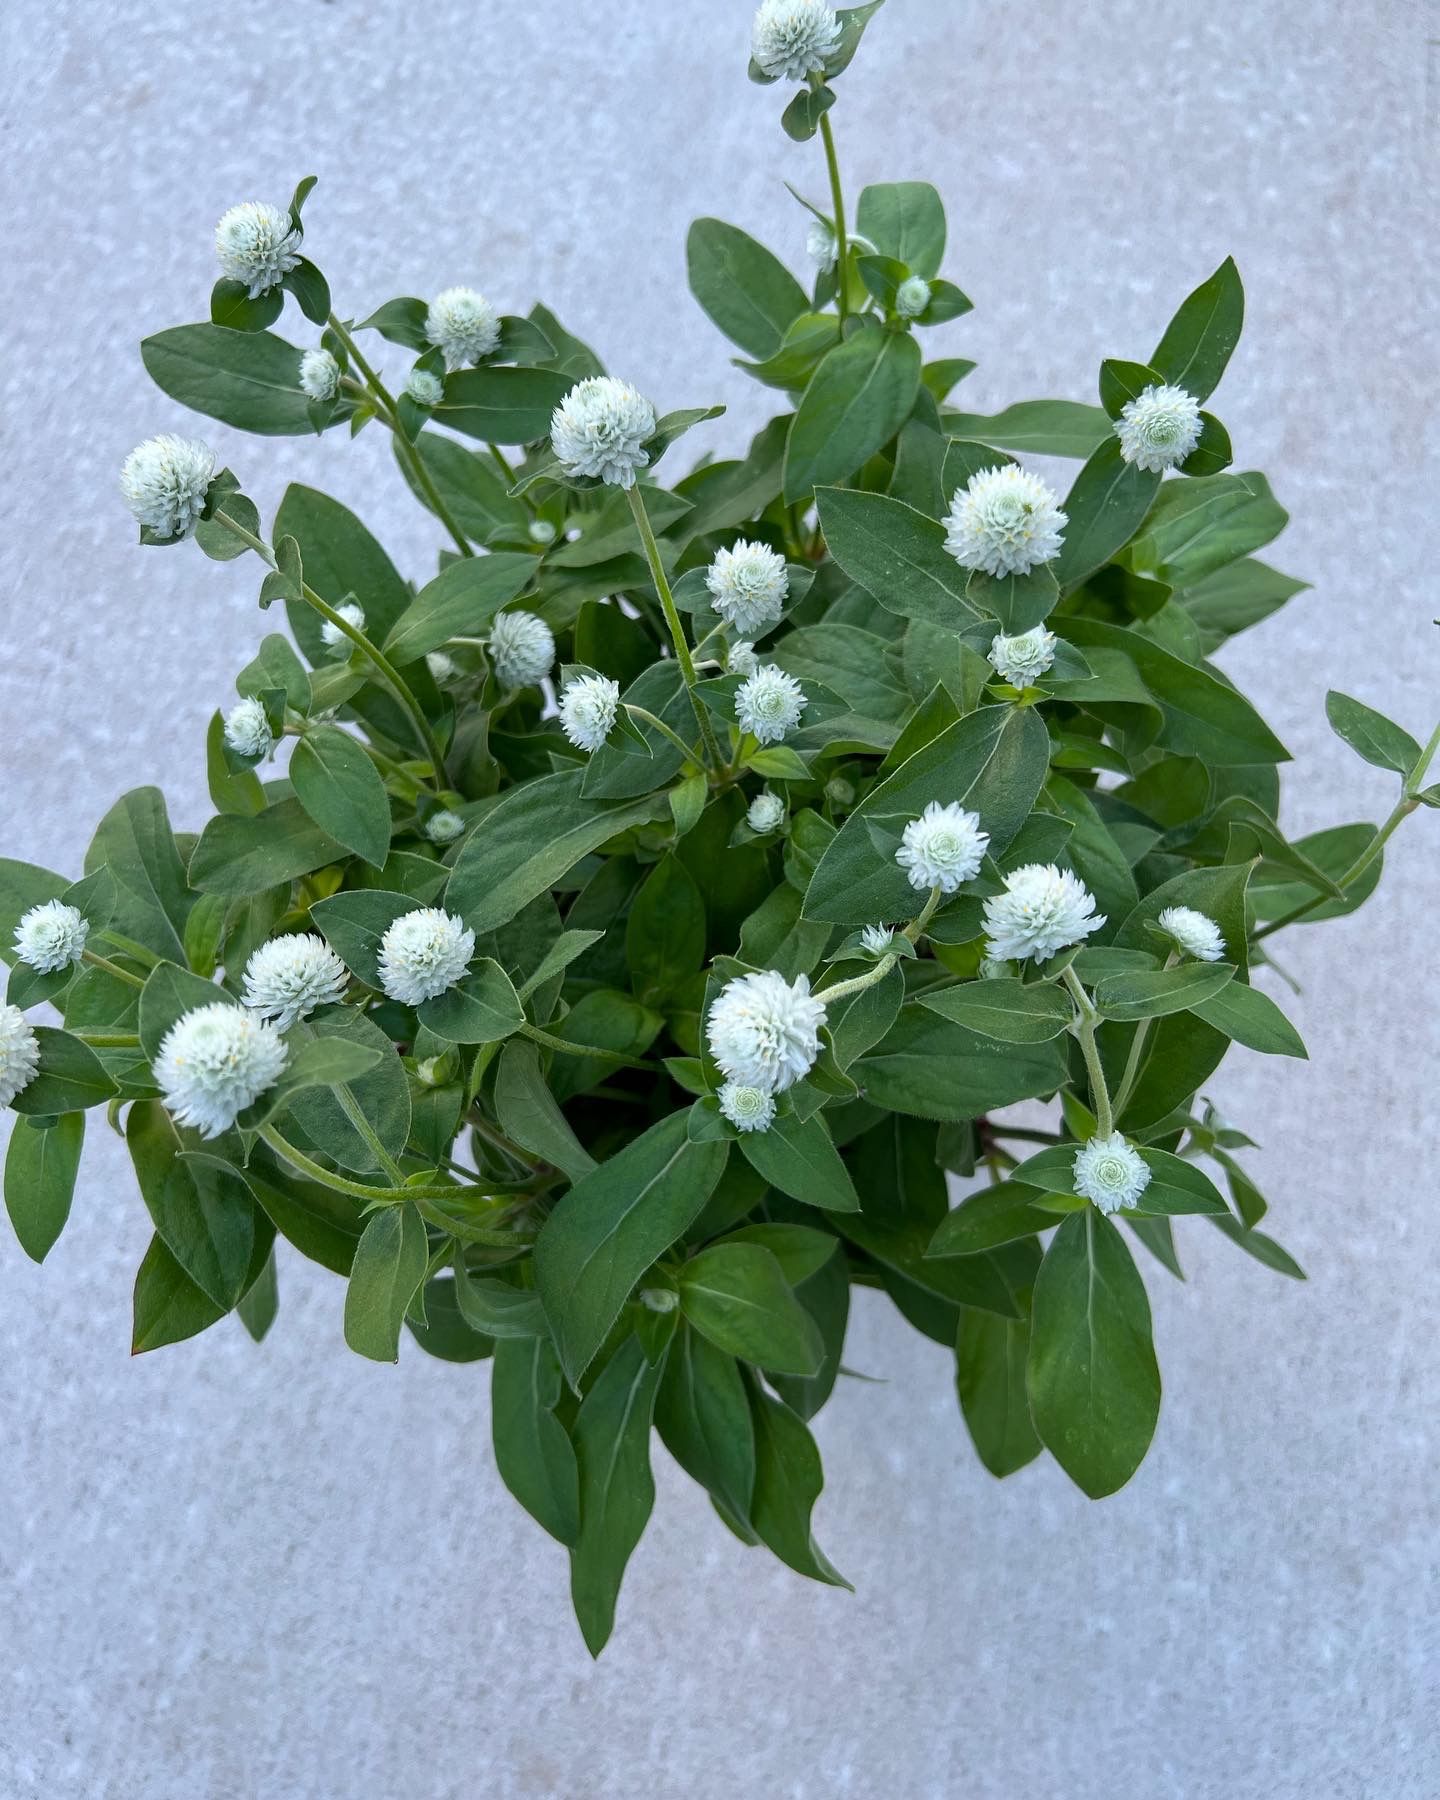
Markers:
{"x": 286, "y": 1573}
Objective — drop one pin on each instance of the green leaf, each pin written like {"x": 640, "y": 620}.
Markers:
{"x": 703, "y": 1416}
{"x": 314, "y": 1062}
{"x": 801, "y": 118}
{"x": 744, "y": 288}
{"x": 462, "y": 601}
{"x": 788, "y": 1480}
{"x": 1370, "y": 734}
{"x": 1264, "y": 1249}
{"x": 382, "y": 1095}
{"x": 1199, "y": 339}
{"x": 1016, "y": 602}
{"x": 1235, "y": 597}
{"x": 1196, "y": 527}
{"x": 354, "y": 924}
{"x": 342, "y": 561}
{"x": 665, "y": 932}
{"x": 988, "y": 1218}
{"x": 69, "y": 1078}
{"x": 1133, "y": 994}
{"x": 482, "y": 1009}
{"x": 239, "y": 854}
{"x": 935, "y": 1069}
{"x": 1004, "y": 1008}
{"x": 276, "y": 665}
{"x": 260, "y": 1302}
{"x": 796, "y": 1156}
{"x": 1253, "y": 1019}
{"x": 248, "y": 379}
{"x": 736, "y": 1295}
{"x": 390, "y": 1263}
{"x": 168, "y": 1306}
{"x": 342, "y": 791}
{"x": 152, "y": 898}
{"x": 1041, "y": 427}
{"x": 906, "y": 220}
{"x": 529, "y": 1113}
{"x": 40, "y": 1168}
{"x": 990, "y": 1359}
{"x": 857, "y": 399}
{"x": 23, "y": 885}
{"x": 1175, "y": 1187}
{"x": 321, "y": 1224}
{"x": 533, "y": 1452}
{"x": 897, "y": 555}
{"x": 200, "y": 1206}
{"x": 1105, "y": 507}
{"x": 502, "y": 405}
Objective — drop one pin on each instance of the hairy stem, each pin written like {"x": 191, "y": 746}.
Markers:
{"x": 1137, "y": 1053}
{"x": 837, "y": 199}
{"x": 1084, "y": 1028}
{"x": 672, "y": 621}
{"x": 643, "y": 712}
{"x": 342, "y": 1184}
{"x": 110, "y": 968}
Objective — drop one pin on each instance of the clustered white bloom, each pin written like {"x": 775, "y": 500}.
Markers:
{"x": 1023, "y": 658}
{"x": 1041, "y": 911}
{"x": 1111, "y": 1172}
{"x": 742, "y": 659}
{"x": 769, "y": 703}
{"x": 247, "y": 729}
{"x": 19, "y": 1052}
{"x": 522, "y": 649}
{"x": 943, "y": 847}
{"x": 747, "y": 1108}
{"x": 442, "y": 665}
{"x": 332, "y": 635}
{"x": 821, "y": 245}
{"x": 164, "y": 481}
{"x": 464, "y": 324}
{"x": 288, "y": 977}
{"x": 257, "y": 245}
{"x": 214, "y": 1062}
{"x": 319, "y": 375}
{"x": 877, "y": 939}
{"x": 51, "y": 936}
{"x": 791, "y": 39}
{"x": 1196, "y": 933}
{"x": 599, "y": 430}
{"x": 444, "y": 827}
{"x": 748, "y": 583}
{"x": 912, "y": 296}
{"x": 1004, "y": 521}
{"x": 764, "y": 1031}
{"x": 1159, "y": 428}
{"x": 588, "y": 706}
{"x": 766, "y": 812}
{"x": 424, "y": 387}
{"x": 423, "y": 953}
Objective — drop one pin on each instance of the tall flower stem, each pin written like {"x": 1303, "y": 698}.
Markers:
{"x": 103, "y": 962}
{"x": 837, "y": 200}
{"x": 1086, "y": 1020}
{"x": 858, "y": 983}
{"x": 1137, "y": 1052}
{"x": 359, "y": 1190}
{"x": 672, "y": 621}
{"x": 643, "y": 712}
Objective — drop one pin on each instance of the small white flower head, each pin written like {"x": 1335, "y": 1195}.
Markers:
{"x": 821, "y": 245}
{"x": 912, "y": 296}
{"x": 51, "y": 936}
{"x": 1023, "y": 658}
{"x": 164, "y": 481}
{"x": 1111, "y": 1172}
{"x": 522, "y": 649}
{"x": 464, "y": 324}
{"x": 214, "y": 1062}
{"x": 424, "y": 387}
{"x": 839, "y": 791}
{"x": 742, "y": 659}
{"x": 288, "y": 977}
{"x": 1004, "y": 521}
{"x": 247, "y": 729}
{"x": 877, "y": 939}
{"x": 258, "y": 245}
{"x": 319, "y": 375}
{"x": 993, "y": 967}
{"x": 540, "y": 531}
{"x": 1159, "y": 428}
{"x": 599, "y": 429}
{"x": 19, "y": 1052}
{"x": 769, "y": 703}
{"x": 588, "y": 706}
{"x": 1041, "y": 911}
{"x": 444, "y": 827}
{"x": 765, "y": 1031}
{"x": 791, "y": 39}
{"x": 766, "y": 812}
{"x": 942, "y": 848}
{"x": 1196, "y": 933}
{"x": 333, "y": 636}
{"x": 748, "y": 583}
{"x": 442, "y": 666}
{"x": 747, "y": 1108}
{"x": 423, "y": 953}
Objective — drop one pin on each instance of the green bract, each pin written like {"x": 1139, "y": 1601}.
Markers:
{"x": 534, "y": 1167}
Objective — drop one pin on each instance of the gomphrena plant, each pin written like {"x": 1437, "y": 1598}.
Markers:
{"x": 660, "y": 900}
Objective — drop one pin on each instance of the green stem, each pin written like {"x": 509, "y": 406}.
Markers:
{"x": 672, "y": 620}
{"x": 502, "y": 464}
{"x": 1084, "y": 1028}
{"x": 842, "y": 271}
{"x": 108, "y": 1040}
{"x": 858, "y": 983}
{"x": 643, "y": 712}
{"x": 1137, "y": 1052}
{"x": 342, "y": 1184}
{"x": 110, "y": 968}
{"x": 355, "y": 1113}
{"x": 139, "y": 952}
{"x": 564, "y": 1048}
{"x": 927, "y": 912}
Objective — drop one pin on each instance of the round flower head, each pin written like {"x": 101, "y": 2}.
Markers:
{"x": 332, "y": 635}
{"x": 51, "y": 936}
{"x": 522, "y": 649}
{"x": 587, "y": 710}
{"x": 540, "y": 531}
{"x": 19, "y": 1052}
{"x": 599, "y": 429}
{"x": 214, "y": 1062}
{"x": 247, "y": 730}
{"x": 464, "y": 324}
{"x": 424, "y": 387}
{"x": 821, "y": 245}
{"x": 442, "y": 665}
{"x": 257, "y": 245}
{"x": 942, "y": 848}
{"x": 319, "y": 375}
{"x": 1004, "y": 521}
{"x": 1023, "y": 658}
{"x": 912, "y": 296}
{"x": 748, "y": 584}
{"x": 1041, "y": 911}
{"x": 1159, "y": 428}
{"x": 769, "y": 703}
{"x": 164, "y": 481}
{"x": 839, "y": 791}
{"x": 423, "y": 953}
{"x": 742, "y": 659}
{"x": 1111, "y": 1172}
{"x": 444, "y": 827}
{"x": 791, "y": 39}
{"x": 288, "y": 977}
{"x": 747, "y": 1108}
{"x": 1196, "y": 933}
{"x": 765, "y": 1032}
{"x": 877, "y": 939}
{"x": 766, "y": 812}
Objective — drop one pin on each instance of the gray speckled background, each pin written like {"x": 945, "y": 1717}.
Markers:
{"x": 283, "y": 1571}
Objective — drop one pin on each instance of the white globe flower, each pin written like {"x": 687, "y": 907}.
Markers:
{"x": 742, "y": 659}
{"x": 765, "y": 813}
{"x": 423, "y": 953}
{"x": 942, "y": 848}
{"x": 19, "y": 1052}
{"x": 247, "y": 729}
{"x": 424, "y": 387}
{"x": 522, "y": 649}
{"x": 599, "y": 430}
{"x": 333, "y": 636}
{"x": 51, "y": 936}
{"x": 540, "y": 531}
{"x": 1196, "y": 933}
{"x": 748, "y": 583}
{"x": 464, "y": 324}
{"x": 588, "y": 706}
{"x": 1041, "y": 911}
{"x": 1111, "y": 1172}
{"x": 912, "y": 297}
{"x": 769, "y": 703}
{"x": 164, "y": 481}
{"x": 444, "y": 827}
{"x": 214, "y": 1062}
{"x": 319, "y": 375}
{"x": 791, "y": 39}
{"x": 256, "y": 245}
{"x": 877, "y": 939}
{"x": 1159, "y": 428}
{"x": 764, "y": 1031}
{"x": 747, "y": 1108}
{"x": 1004, "y": 521}
{"x": 442, "y": 666}
{"x": 288, "y": 977}
{"x": 821, "y": 245}
{"x": 1023, "y": 658}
